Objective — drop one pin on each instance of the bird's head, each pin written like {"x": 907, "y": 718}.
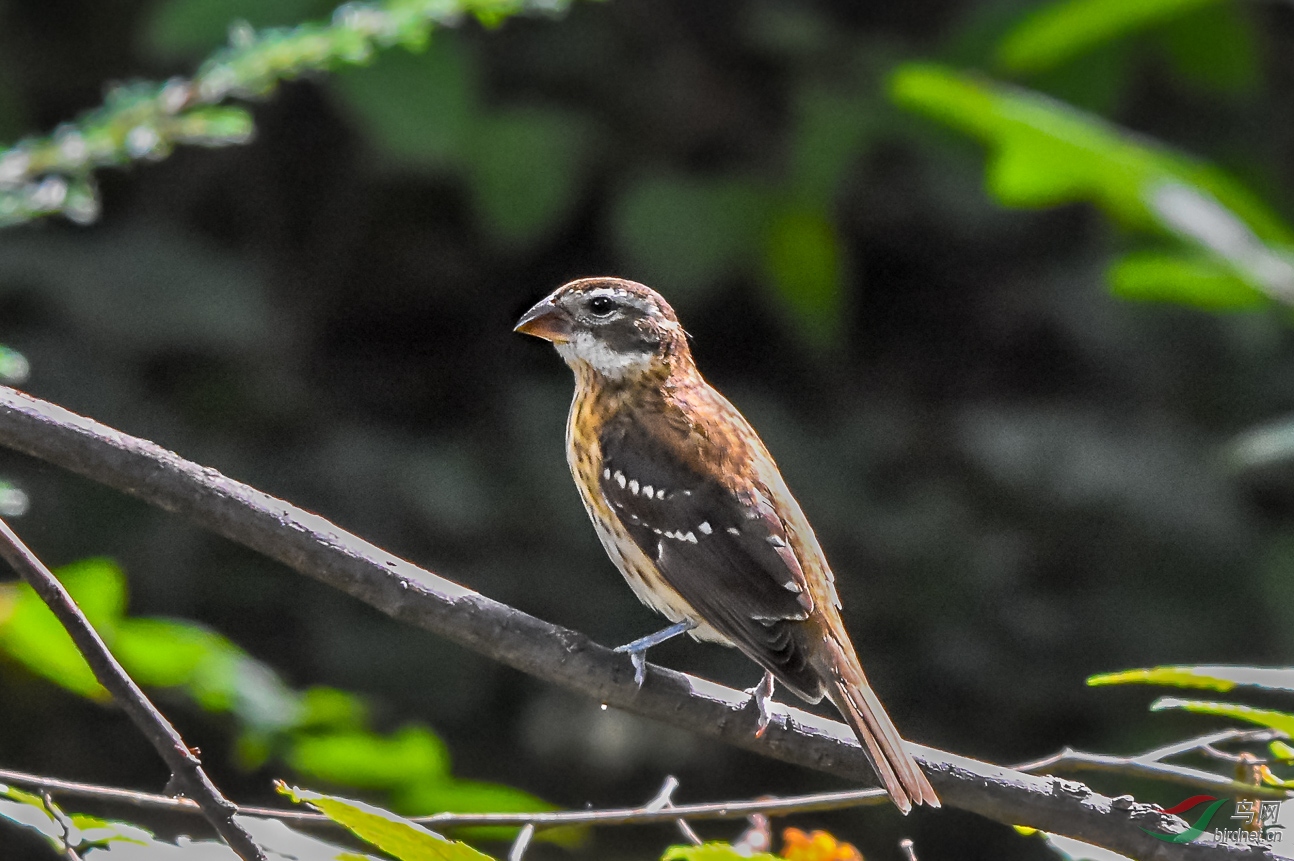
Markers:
{"x": 618, "y": 329}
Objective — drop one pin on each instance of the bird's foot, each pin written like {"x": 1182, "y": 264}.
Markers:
{"x": 637, "y": 650}
{"x": 762, "y": 696}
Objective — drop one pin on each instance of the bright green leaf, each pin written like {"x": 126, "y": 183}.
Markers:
{"x": 162, "y": 652}
{"x": 1061, "y": 31}
{"x": 14, "y": 367}
{"x": 1281, "y": 751}
{"x": 1198, "y": 281}
{"x": 328, "y": 708}
{"x": 1263, "y": 717}
{"x": 25, "y": 809}
{"x": 410, "y": 755}
{"x": 804, "y": 262}
{"x": 1044, "y": 153}
{"x": 714, "y": 852}
{"x": 524, "y": 169}
{"x": 31, "y": 635}
{"x": 1213, "y": 678}
{"x": 683, "y": 233}
{"x": 393, "y": 835}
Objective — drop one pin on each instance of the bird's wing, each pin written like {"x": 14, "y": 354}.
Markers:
{"x": 725, "y": 552}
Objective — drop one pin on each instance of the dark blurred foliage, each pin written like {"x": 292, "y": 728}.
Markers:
{"x": 1019, "y": 477}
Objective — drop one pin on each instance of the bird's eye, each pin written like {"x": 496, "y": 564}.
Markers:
{"x": 601, "y": 306}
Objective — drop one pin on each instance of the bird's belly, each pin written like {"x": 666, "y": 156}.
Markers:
{"x": 638, "y": 570}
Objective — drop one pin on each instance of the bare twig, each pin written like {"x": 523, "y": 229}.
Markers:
{"x": 319, "y": 549}
{"x": 156, "y": 728}
{"x": 519, "y": 845}
{"x": 1151, "y": 764}
{"x": 664, "y": 800}
{"x": 908, "y": 849}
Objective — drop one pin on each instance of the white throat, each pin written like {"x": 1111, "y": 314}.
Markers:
{"x": 586, "y": 349}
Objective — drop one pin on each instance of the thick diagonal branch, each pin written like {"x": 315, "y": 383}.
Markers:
{"x": 218, "y": 810}
{"x": 319, "y": 549}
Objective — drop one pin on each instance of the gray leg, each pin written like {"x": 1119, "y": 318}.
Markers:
{"x": 762, "y": 696}
{"x": 637, "y": 650}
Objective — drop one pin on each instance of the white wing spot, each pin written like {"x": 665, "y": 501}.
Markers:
{"x": 660, "y": 494}
{"x": 647, "y": 491}
{"x": 620, "y": 478}
{"x": 633, "y": 486}
{"x": 691, "y": 536}
{"x": 732, "y": 530}
{"x": 792, "y": 587}
{"x": 705, "y": 527}
{"x": 606, "y": 473}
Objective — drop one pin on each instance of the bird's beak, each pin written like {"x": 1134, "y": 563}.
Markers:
{"x": 546, "y": 320}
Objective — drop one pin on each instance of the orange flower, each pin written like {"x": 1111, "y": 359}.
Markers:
{"x": 818, "y": 846}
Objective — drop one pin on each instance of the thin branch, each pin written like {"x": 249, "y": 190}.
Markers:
{"x": 218, "y": 810}
{"x": 313, "y": 546}
{"x": 146, "y": 120}
{"x": 1150, "y": 764}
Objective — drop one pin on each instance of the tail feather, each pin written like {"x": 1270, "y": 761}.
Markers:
{"x": 858, "y": 704}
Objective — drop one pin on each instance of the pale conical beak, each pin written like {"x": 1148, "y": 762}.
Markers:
{"x": 546, "y": 320}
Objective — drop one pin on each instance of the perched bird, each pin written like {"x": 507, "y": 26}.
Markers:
{"x": 693, "y": 511}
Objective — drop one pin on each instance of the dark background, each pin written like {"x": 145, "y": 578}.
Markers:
{"x": 1019, "y": 478}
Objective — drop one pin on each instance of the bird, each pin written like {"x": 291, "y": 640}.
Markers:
{"x": 693, "y": 511}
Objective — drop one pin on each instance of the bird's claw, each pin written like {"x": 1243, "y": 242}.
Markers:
{"x": 762, "y": 696}
{"x": 637, "y": 650}
{"x": 639, "y": 660}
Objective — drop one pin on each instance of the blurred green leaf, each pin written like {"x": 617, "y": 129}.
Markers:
{"x": 393, "y": 835}
{"x": 164, "y": 653}
{"x": 524, "y": 168}
{"x": 328, "y": 708}
{"x": 1281, "y": 751}
{"x": 1213, "y": 678}
{"x": 804, "y": 262}
{"x": 31, "y": 635}
{"x": 682, "y": 233}
{"x": 14, "y": 367}
{"x": 1198, "y": 281}
{"x": 1263, "y": 717}
{"x": 418, "y": 108}
{"x": 714, "y": 852}
{"x": 411, "y": 755}
{"x": 1214, "y": 47}
{"x": 830, "y": 132}
{"x": 1058, "y": 32}
{"x": 181, "y": 29}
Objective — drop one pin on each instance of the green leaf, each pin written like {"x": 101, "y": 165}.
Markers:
{"x": 524, "y": 170}
{"x": 1198, "y": 281}
{"x": 165, "y": 653}
{"x": 830, "y": 131}
{"x": 803, "y": 259}
{"x": 31, "y": 635}
{"x": 329, "y": 708}
{"x": 683, "y": 233}
{"x": 14, "y": 367}
{"x": 1058, "y": 32}
{"x": 1281, "y": 751}
{"x": 1044, "y": 153}
{"x": 421, "y": 109}
{"x": 393, "y": 835}
{"x": 25, "y": 809}
{"x": 1213, "y": 678}
{"x": 714, "y": 852}
{"x": 1263, "y": 717}
{"x": 1215, "y": 48}
{"x": 409, "y": 756}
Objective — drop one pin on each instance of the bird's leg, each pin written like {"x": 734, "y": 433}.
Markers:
{"x": 762, "y": 696}
{"x": 637, "y": 650}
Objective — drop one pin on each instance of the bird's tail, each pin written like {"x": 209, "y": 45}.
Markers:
{"x": 862, "y": 710}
